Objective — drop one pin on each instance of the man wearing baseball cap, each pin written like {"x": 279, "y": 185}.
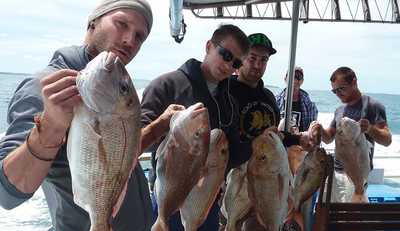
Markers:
{"x": 119, "y": 26}
{"x": 257, "y": 105}
{"x": 258, "y": 109}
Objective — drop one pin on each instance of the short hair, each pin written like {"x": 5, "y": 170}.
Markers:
{"x": 226, "y": 30}
{"x": 347, "y": 73}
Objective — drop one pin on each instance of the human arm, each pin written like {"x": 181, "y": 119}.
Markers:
{"x": 157, "y": 128}
{"x": 379, "y": 132}
{"x": 20, "y": 168}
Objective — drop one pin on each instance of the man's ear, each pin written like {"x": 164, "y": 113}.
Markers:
{"x": 354, "y": 81}
{"x": 208, "y": 46}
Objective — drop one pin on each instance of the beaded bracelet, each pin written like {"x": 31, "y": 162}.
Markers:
{"x": 33, "y": 153}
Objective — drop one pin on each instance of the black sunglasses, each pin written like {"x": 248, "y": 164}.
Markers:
{"x": 339, "y": 89}
{"x": 227, "y": 56}
{"x": 298, "y": 77}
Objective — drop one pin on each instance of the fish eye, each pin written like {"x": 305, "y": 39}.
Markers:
{"x": 197, "y": 134}
{"x": 123, "y": 88}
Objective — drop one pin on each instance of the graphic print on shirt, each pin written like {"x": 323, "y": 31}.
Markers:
{"x": 296, "y": 117}
{"x": 255, "y": 117}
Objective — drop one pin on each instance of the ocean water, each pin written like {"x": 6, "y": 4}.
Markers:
{"x": 33, "y": 214}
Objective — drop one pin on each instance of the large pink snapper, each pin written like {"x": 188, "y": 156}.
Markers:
{"x": 198, "y": 203}
{"x": 352, "y": 149}
{"x": 103, "y": 140}
{"x": 180, "y": 160}
{"x": 269, "y": 180}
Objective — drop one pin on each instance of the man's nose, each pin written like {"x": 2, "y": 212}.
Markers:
{"x": 129, "y": 40}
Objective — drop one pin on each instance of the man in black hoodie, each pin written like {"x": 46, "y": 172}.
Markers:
{"x": 204, "y": 82}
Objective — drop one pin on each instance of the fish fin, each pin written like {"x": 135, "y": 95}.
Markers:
{"x": 294, "y": 221}
{"x": 93, "y": 129}
{"x": 200, "y": 182}
{"x": 162, "y": 147}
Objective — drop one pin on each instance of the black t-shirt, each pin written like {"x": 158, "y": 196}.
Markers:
{"x": 257, "y": 108}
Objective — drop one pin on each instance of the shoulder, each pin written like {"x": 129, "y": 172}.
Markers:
{"x": 71, "y": 57}
{"x": 375, "y": 103}
{"x": 172, "y": 78}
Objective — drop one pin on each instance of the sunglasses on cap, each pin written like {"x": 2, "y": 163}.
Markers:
{"x": 227, "y": 56}
{"x": 339, "y": 89}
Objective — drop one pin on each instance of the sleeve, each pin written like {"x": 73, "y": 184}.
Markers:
{"x": 154, "y": 102}
{"x": 380, "y": 113}
{"x": 314, "y": 110}
{"x": 290, "y": 139}
{"x": 25, "y": 103}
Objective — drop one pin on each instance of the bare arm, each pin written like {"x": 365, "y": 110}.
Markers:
{"x": 379, "y": 132}
{"x": 328, "y": 134}
{"x": 22, "y": 169}
{"x": 156, "y": 129}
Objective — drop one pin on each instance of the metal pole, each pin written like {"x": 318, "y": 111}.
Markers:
{"x": 292, "y": 61}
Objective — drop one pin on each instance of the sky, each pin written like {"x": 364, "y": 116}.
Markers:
{"x": 30, "y": 31}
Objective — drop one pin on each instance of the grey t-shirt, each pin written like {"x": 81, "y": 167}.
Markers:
{"x": 373, "y": 111}
{"x": 135, "y": 213}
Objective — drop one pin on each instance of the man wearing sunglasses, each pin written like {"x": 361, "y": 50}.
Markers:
{"x": 204, "y": 82}
{"x": 304, "y": 110}
{"x": 371, "y": 115}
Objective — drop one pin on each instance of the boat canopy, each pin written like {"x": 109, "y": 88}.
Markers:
{"x": 365, "y": 11}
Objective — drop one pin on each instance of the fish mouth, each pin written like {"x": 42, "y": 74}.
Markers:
{"x": 112, "y": 60}
{"x": 123, "y": 55}
{"x": 198, "y": 110}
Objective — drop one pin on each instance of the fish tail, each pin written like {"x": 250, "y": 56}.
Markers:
{"x": 359, "y": 198}
{"x": 160, "y": 225}
{"x": 293, "y": 221}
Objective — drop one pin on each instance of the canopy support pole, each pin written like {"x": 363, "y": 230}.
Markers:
{"x": 292, "y": 61}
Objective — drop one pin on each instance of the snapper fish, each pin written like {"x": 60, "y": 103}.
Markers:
{"x": 236, "y": 203}
{"x": 103, "y": 140}
{"x": 269, "y": 180}
{"x": 198, "y": 203}
{"x": 181, "y": 158}
{"x": 352, "y": 149}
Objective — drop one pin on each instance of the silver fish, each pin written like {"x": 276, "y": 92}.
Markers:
{"x": 103, "y": 140}
{"x": 269, "y": 180}
{"x": 198, "y": 203}
{"x": 352, "y": 149}
{"x": 236, "y": 202}
{"x": 180, "y": 160}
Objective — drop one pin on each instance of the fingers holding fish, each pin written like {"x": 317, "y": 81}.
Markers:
{"x": 364, "y": 125}
{"x": 166, "y": 116}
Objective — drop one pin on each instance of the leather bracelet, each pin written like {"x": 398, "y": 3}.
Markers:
{"x": 32, "y": 152}
{"x": 37, "y": 120}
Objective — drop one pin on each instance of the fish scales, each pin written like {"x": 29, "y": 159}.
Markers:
{"x": 180, "y": 160}
{"x": 103, "y": 140}
{"x": 202, "y": 196}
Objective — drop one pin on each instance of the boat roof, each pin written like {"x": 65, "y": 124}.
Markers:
{"x": 366, "y": 11}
